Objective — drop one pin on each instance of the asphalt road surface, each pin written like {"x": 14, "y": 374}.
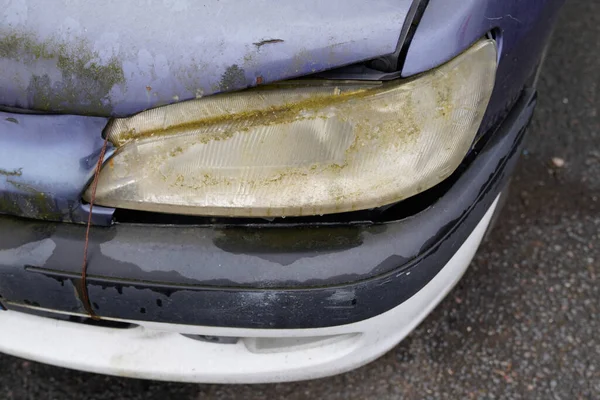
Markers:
{"x": 524, "y": 321}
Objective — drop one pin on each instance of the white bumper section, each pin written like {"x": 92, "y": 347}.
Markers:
{"x": 160, "y": 351}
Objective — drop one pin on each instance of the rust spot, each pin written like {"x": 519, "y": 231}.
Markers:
{"x": 259, "y": 80}
{"x": 267, "y": 41}
{"x": 149, "y": 88}
{"x": 111, "y": 163}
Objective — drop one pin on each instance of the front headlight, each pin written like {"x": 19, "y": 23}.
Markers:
{"x": 300, "y": 147}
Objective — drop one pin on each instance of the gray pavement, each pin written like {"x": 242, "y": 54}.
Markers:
{"x": 524, "y": 321}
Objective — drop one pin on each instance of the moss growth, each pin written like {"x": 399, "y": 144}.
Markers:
{"x": 34, "y": 204}
{"x": 14, "y": 172}
{"x": 40, "y": 89}
{"x": 11, "y": 45}
{"x": 444, "y": 101}
{"x": 9, "y": 205}
{"x": 44, "y": 207}
{"x": 233, "y": 78}
{"x": 262, "y": 117}
{"x": 175, "y": 151}
{"x": 86, "y": 80}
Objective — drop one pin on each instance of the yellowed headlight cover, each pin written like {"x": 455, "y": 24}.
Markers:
{"x": 300, "y": 147}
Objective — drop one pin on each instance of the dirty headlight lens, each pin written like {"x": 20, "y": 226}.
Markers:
{"x": 300, "y": 147}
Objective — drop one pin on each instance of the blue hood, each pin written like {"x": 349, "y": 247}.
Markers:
{"x": 119, "y": 57}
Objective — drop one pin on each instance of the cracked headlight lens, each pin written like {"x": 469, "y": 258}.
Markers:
{"x": 304, "y": 147}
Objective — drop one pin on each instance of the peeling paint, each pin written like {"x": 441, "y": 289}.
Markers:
{"x": 267, "y": 41}
{"x": 342, "y": 295}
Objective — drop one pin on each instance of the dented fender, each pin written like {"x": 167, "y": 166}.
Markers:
{"x": 46, "y": 161}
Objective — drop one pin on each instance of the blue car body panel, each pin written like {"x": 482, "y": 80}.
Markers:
{"x": 46, "y": 161}
{"x": 521, "y": 27}
{"x": 120, "y": 57}
{"x": 449, "y": 27}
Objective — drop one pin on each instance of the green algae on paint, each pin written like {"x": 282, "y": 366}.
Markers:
{"x": 31, "y": 203}
{"x": 8, "y": 204}
{"x": 86, "y": 79}
{"x": 233, "y": 78}
{"x": 14, "y": 172}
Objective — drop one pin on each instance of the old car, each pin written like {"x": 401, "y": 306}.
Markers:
{"x": 258, "y": 191}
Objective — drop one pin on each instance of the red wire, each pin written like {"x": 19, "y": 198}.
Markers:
{"x": 84, "y": 292}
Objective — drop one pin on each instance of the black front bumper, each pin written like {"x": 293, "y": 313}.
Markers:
{"x": 256, "y": 276}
